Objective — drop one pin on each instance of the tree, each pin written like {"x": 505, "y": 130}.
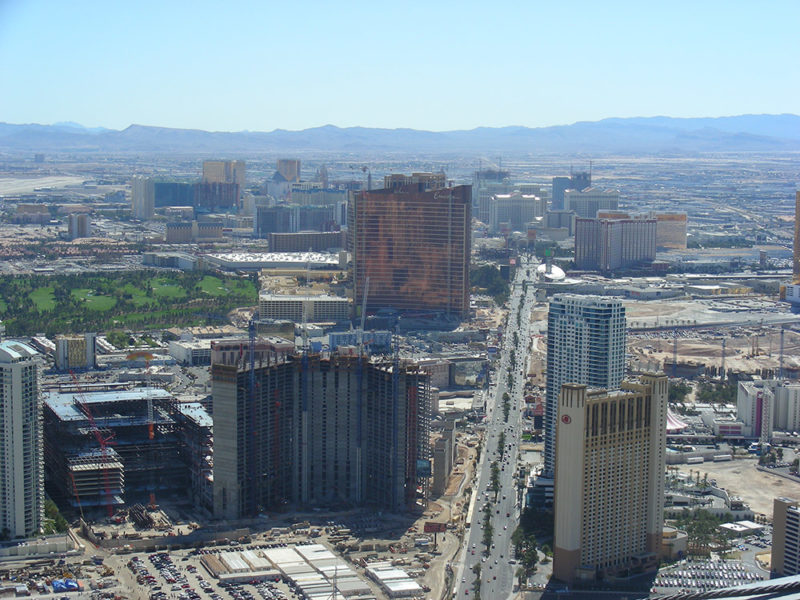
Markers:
{"x": 678, "y": 390}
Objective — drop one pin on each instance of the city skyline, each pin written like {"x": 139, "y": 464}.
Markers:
{"x": 185, "y": 66}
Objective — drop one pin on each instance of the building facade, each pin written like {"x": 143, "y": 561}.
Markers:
{"x": 303, "y": 241}
{"x": 586, "y": 203}
{"x": 768, "y": 405}
{"x": 585, "y": 345}
{"x": 331, "y": 431}
{"x": 79, "y": 225}
{"x": 577, "y": 181}
{"x": 609, "y": 244}
{"x": 785, "y": 537}
{"x": 414, "y": 246}
{"x": 289, "y": 168}
{"x": 142, "y": 197}
{"x": 319, "y": 309}
{"x": 21, "y": 454}
{"x": 609, "y": 479}
{"x": 293, "y": 219}
{"x": 512, "y": 212}
{"x": 76, "y": 351}
{"x": 224, "y": 171}
{"x": 670, "y": 230}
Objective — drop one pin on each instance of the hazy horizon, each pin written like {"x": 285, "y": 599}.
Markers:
{"x": 100, "y": 126}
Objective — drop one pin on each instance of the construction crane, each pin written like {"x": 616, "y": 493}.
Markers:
{"x": 103, "y": 440}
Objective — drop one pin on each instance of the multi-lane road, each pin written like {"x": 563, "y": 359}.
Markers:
{"x": 497, "y": 564}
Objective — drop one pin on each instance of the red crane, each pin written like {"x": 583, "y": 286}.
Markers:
{"x": 103, "y": 438}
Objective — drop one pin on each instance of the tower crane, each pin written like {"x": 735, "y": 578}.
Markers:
{"x": 103, "y": 438}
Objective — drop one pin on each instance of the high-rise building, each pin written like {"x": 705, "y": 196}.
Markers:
{"x": 414, "y": 246}
{"x": 289, "y": 168}
{"x": 292, "y": 219}
{"x": 422, "y": 181}
{"x": 512, "y": 212}
{"x": 785, "y": 537}
{"x": 615, "y": 243}
{"x": 670, "y": 230}
{"x": 768, "y": 405}
{"x": 318, "y": 431}
{"x": 609, "y": 479}
{"x": 585, "y": 345}
{"x": 142, "y": 197}
{"x": 173, "y": 193}
{"x": 21, "y": 471}
{"x": 76, "y": 351}
{"x": 577, "y": 181}
{"x": 486, "y": 183}
{"x": 79, "y": 225}
{"x": 587, "y": 202}
{"x": 224, "y": 171}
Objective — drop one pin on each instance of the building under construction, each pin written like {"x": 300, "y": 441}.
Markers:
{"x": 109, "y": 448}
{"x": 318, "y": 430}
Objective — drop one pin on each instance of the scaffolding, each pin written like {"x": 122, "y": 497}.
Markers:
{"x": 138, "y": 464}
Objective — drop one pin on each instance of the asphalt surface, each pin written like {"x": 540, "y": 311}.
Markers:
{"x": 497, "y": 572}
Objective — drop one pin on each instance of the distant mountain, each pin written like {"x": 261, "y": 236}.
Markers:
{"x": 608, "y": 136}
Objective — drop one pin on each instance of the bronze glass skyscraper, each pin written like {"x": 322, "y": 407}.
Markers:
{"x": 414, "y": 245}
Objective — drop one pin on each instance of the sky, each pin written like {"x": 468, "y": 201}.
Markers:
{"x": 435, "y": 65}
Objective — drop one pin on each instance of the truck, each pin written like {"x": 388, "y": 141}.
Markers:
{"x": 695, "y": 460}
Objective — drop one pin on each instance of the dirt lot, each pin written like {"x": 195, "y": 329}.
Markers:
{"x": 741, "y": 478}
{"x": 746, "y": 349}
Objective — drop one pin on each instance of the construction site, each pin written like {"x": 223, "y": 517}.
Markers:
{"x": 115, "y": 447}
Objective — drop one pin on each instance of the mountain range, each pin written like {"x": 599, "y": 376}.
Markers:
{"x": 659, "y": 135}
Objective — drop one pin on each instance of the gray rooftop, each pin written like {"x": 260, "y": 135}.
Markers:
{"x": 63, "y": 404}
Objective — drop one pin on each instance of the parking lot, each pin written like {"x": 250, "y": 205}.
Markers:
{"x": 180, "y": 576}
{"x": 692, "y": 576}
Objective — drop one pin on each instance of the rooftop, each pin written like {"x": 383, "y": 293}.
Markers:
{"x": 11, "y": 351}
{"x": 65, "y": 408}
{"x": 196, "y": 412}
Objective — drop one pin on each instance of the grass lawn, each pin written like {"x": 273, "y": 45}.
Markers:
{"x": 213, "y": 286}
{"x": 138, "y": 295}
{"x": 94, "y": 302}
{"x": 3, "y": 305}
{"x": 43, "y": 298}
{"x": 162, "y": 288}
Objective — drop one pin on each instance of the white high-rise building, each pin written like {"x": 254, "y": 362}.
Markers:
{"x": 21, "y": 456}
{"x": 768, "y": 405}
{"x": 585, "y": 344}
{"x": 609, "y": 479}
{"x": 143, "y": 197}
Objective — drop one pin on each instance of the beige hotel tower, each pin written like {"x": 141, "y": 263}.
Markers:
{"x": 609, "y": 479}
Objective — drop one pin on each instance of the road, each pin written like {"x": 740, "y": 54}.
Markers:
{"x": 496, "y": 570}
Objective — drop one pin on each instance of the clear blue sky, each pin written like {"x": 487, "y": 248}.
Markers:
{"x": 437, "y": 65}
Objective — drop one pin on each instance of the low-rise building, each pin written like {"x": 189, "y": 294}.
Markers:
{"x": 320, "y": 308}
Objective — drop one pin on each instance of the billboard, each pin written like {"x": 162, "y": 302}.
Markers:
{"x": 435, "y": 527}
